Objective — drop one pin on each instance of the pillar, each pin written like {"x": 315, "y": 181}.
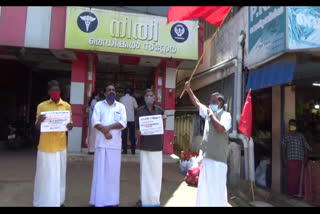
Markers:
{"x": 82, "y": 83}
{"x": 276, "y": 134}
{"x": 169, "y": 108}
{"x": 289, "y": 105}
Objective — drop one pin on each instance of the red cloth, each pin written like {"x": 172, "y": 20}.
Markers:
{"x": 211, "y": 14}
{"x": 312, "y": 183}
{"x": 307, "y": 183}
{"x": 245, "y": 121}
{"x": 192, "y": 176}
{"x": 293, "y": 172}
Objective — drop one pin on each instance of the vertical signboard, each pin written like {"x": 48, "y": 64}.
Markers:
{"x": 266, "y": 32}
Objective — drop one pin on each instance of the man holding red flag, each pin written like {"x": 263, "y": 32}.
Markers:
{"x": 212, "y": 189}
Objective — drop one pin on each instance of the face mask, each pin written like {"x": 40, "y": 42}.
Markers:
{"x": 54, "y": 95}
{"x": 214, "y": 108}
{"x": 111, "y": 97}
{"x": 149, "y": 100}
{"x": 292, "y": 128}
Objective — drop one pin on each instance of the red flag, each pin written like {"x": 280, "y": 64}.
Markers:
{"x": 245, "y": 121}
{"x": 211, "y": 14}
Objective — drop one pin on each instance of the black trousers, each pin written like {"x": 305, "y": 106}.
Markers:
{"x": 132, "y": 137}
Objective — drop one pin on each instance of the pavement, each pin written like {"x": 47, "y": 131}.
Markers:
{"x": 18, "y": 170}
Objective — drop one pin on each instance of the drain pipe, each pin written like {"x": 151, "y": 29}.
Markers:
{"x": 237, "y": 107}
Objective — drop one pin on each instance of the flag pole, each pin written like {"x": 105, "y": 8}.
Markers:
{"x": 208, "y": 45}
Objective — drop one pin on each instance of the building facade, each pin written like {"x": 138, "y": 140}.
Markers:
{"x": 283, "y": 59}
{"x": 85, "y": 48}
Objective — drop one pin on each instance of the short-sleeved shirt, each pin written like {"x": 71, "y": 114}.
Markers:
{"x": 130, "y": 103}
{"x": 294, "y": 146}
{"x": 152, "y": 142}
{"x": 106, "y": 115}
{"x": 52, "y": 141}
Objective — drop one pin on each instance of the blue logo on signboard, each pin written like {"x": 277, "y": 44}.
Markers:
{"x": 87, "y": 22}
{"x": 179, "y": 32}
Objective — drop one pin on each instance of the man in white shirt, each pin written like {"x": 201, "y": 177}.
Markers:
{"x": 109, "y": 118}
{"x": 131, "y": 106}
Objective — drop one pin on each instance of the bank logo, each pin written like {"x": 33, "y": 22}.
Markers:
{"x": 179, "y": 32}
{"x": 87, "y": 22}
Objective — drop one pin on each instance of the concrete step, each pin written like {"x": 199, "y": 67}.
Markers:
{"x": 84, "y": 156}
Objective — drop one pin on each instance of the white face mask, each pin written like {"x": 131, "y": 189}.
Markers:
{"x": 148, "y": 100}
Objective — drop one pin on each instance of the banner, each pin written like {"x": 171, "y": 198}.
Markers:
{"x": 128, "y": 33}
{"x": 266, "y": 32}
{"x": 304, "y": 27}
{"x": 56, "y": 121}
{"x": 151, "y": 125}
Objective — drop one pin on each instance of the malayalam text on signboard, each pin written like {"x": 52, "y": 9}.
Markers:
{"x": 128, "y": 33}
{"x": 151, "y": 125}
{"x": 56, "y": 121}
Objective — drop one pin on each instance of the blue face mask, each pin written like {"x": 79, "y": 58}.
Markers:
{"x": 111, "y": 97}
{"x": 214, "y": 108}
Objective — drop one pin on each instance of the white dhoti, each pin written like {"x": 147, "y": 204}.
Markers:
{"x": 105, "y": 189}
{"x": 150, "y": 178}
{"x": 91, "y": 138}
{"x": 50, "y": 179}
{"x": 212, "y": 189}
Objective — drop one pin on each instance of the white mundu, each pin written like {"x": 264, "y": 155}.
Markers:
{"x": 107, "y": 160}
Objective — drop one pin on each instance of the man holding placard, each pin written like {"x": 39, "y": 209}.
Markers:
{"x": 53, "y": 120}
{"x": 150, "y": 124}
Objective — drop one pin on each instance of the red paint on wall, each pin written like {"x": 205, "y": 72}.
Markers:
{"x": 170, "y": 99}
{"x": 12, "y": 26}
{"x": 57, "y": 28}
{"x": 129, "y": 60}
{"x": 168, "y": 142}
{"x": 79, "y": 68}
{"x": 77, "y": 112}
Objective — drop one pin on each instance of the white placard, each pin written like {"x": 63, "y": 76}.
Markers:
{"x": 151, "y": 125}
{"x": 56, "y": 121}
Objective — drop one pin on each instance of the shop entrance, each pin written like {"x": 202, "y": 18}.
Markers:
{"x": 261, "y": 134}
{"x": 136, "y": 78}
{"x": 305, "y": 96}
{"x": 308, "y": 112}
{"x": 23, "y": 85}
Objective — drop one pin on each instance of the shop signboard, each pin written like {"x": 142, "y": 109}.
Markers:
{"x": 266, "y": 32}
{"x": 303, "y": 27}
{"x": 129, "y": 33}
